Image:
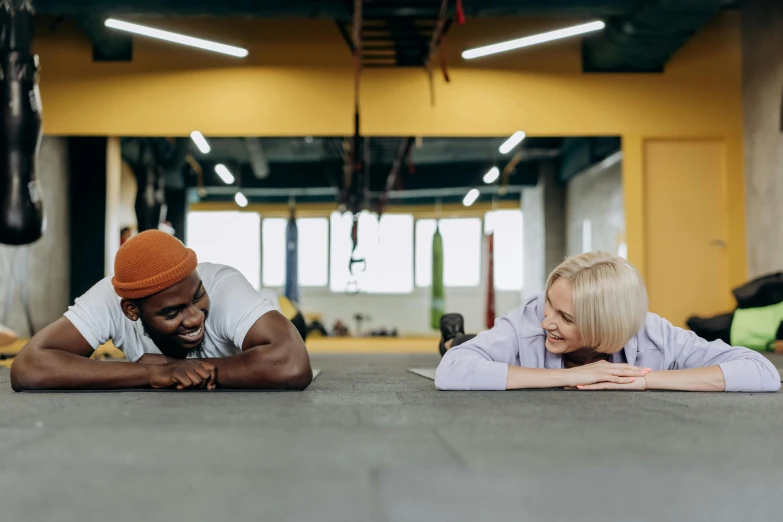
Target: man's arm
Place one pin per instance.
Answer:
(273, 357)
(57, 358)
(154, 358)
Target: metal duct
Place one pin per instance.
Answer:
(646, 37)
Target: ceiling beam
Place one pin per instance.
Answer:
(330, 191)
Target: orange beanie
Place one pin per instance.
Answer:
(149, 263)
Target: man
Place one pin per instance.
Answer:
(181, 325)
(125, 235)
(289, 310)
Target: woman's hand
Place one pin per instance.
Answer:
(639, 384)
(600, 375)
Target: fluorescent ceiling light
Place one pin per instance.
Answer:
(532, 40)
(471, 197)
(512, 142)
(492, 175)
(240, 199)
(224, 174)
(200, 141)
(176, 38)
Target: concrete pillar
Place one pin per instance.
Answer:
(595, 211)
(41, 271)
(762, 77)
(554, 217)
(533, 275)
(543, 208)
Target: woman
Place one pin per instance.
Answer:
(590, 330)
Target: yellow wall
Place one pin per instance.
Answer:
(298, 81)
(696, 211)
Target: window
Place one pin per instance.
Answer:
(340, 252)
(461, 251)
(507, 226)
(313, 252)
(273, 253)
(385, 245)
(228, 238)
(587, 235)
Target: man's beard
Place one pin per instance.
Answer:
(170, 349)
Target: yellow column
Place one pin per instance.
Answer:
(735, 211)
(633, 195)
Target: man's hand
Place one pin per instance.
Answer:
(184, 374)
(623, 376)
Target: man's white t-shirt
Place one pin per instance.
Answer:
(234, 308)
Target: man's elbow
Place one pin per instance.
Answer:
(295, 375)
(292, 366)
(24, 372)
(300, 377)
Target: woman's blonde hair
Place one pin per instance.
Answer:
(610, 300)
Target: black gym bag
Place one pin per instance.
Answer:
(763, 291)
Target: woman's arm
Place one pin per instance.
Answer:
(601, 372)
(481, 363)
(742, 370)
(490, 361)
(709, 379)
(694, 364)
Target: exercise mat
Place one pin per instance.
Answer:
(316, 373)
(427, 373)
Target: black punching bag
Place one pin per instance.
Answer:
(21, 208)
(150, 197)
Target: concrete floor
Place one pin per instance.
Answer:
(370, 442)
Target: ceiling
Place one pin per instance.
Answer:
(640, 37)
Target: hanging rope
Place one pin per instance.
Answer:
(356, 30)
(507, 170)
(435, 43)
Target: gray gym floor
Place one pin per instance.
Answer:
(371, 442)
